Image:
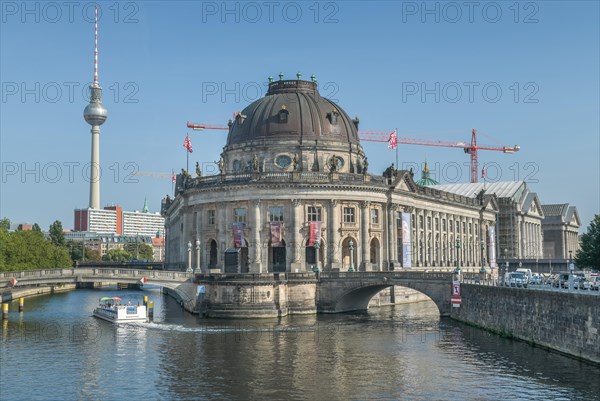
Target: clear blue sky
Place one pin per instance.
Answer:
(160, 62)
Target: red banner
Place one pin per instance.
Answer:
(238, 235)
(314, 233)
(455, 298)
(276, 230)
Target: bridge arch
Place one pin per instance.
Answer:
(345, 295)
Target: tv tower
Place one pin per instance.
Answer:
(95, 114)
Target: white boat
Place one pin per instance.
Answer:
(112, 310)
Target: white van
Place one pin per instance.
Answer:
(528, 274)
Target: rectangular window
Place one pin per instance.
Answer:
(421, 222)
(276, 213)
(428, 222)
(398, 219)
(443, 224)
(437, 224)
(314, 213)
(239, 215)
(349, 215)
(450, 225)
(211, 217)
(374, 216)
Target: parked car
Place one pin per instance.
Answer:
(537, 278)
(595, 283)
(561, 280)
(515, 279)
(580, 283)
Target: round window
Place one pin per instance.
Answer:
(283, 161)
(340, 162)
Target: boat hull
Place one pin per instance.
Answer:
(121, 314)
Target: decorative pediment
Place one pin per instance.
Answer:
(403, 182)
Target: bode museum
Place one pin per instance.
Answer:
(294, 193)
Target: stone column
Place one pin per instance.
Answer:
(185, 236)
(222, 235)
(200, 238)
(297, 223)
(391, 220)
(335, 261)
(255, 251)
(364, 233)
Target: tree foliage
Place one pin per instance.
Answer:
(76, 252)
(5, 224)
(588, 254)
(140, 251)
(57, 235)
(117, 255)
(29, 250)
(36, 227)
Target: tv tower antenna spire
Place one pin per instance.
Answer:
(95, 114)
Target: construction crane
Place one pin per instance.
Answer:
(200, 127)
(471, 148)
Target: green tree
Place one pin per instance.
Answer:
(117, 255)
(57, 235)
(36, 227)
(140, 251)
(5, 224)
(588, 255)
(29, 250)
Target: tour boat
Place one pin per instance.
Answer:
(111, 309)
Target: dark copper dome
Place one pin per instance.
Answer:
(293, 110)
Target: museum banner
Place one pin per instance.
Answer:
(238, 235)
(276, 231)
(455, 298)
(406, 241)
(314, 233)
(492, 246)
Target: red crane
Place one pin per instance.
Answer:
(470, 148)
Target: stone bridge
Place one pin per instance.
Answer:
(49, 277)
(350, 291)
(280, 294)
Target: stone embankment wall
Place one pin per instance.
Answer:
(561, 321)
(16, 293)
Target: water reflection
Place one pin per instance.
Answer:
(388, 353)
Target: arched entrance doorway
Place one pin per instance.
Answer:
(310, 256)
(277, 258)
(212, 252)
(374, 253)
(346, 253)
(244, 264)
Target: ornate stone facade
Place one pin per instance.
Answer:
(293, 158)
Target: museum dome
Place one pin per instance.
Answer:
(292, 110)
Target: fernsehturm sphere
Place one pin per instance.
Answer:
(95, 114)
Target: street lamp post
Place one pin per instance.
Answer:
(571, 269)
(351, 247)
(316, 268)
(198, 271)
(457, 270)
(189, 248)
(482, 270)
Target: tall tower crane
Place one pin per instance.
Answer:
(471, 148)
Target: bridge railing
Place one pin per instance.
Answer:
(283, 276)
(401, 275)
(159, 275)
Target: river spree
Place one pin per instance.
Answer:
(56, 350)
